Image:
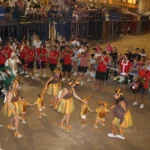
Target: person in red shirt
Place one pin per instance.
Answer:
(43, 57)
(101, 70)
(125, 67)
(30, 62)
(8, 49)
(23, 54)
(53, 58)
(144, 76)
(67, 62)
(2, 59)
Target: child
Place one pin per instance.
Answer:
(40, 105)
(24, 105)
(101, 113)
(91, 75)
(84, 109)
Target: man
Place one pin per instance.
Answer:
(8, 50)
(125, 68)
(144, 76)
(137, 54)
(67, 64)
(76, 42)
(53, 58)
(101, 70)
(37, 44)
(12, 63)
(30, 62)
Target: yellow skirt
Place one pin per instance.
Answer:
(40, 105)
(127, 120)
(6, 111)
(66, 106)
(116, 121)
(53, 89)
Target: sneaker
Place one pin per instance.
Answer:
(68, 80)
(1, 125)
(120, 137)
(22, 72)
(23, 121)
(111, 135)
(27, 76)
(43, 114)
(141, 106)
(63, 79)
(75, 74)
(88, 80)
(11, 127)
(37, 75)
(18, 135)
(135, 103)
(32, 78)
(44, 75)
(95, 126)
(40, 116)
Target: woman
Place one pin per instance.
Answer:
(54, 85)
(119, 100)
(12, 107)
(65, 103)
(84, 62)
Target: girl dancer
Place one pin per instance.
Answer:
(12, 108)
(65, 104)
(54, 85)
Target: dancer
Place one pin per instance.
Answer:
(122, 118)
(12, 108)
(65, 104)
(40, 104)
(54, 85)
(101, 113)
(119, 100)
(24, 104)
(84, 109)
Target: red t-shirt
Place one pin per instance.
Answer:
(8, 51)
(67, 57)
(125, 66)
(101, 66)
(43, 53)
(38, 51)
(53, 54)
(23, 52)
(145, 74)
(2, 58)
(30, 56)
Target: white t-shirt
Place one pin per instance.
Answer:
(12, 61)
(75, 43)
(37, 44)
(81, 50)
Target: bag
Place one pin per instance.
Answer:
(61, 60)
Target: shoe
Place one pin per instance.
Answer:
(111, 135)
(40, 116)
(68, 80)
(23, 121)
(61, 126)
(88, 80)
(63, 79)
(135, 103)
(95, 126)
(27, 76)
(75, 74)
(18, 135)
(141, 106)
(37, 75)
(11, 127)
(1, 125)
(44, 75)
(43, 114)
(68, 128)
(22, 72)
(33, 78)
(120, 137)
